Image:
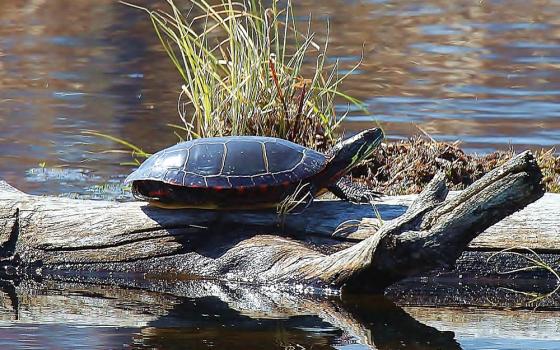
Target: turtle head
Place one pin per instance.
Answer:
(348, 153)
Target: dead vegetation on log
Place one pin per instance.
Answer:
(407, 166)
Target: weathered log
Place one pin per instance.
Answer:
(45, 235)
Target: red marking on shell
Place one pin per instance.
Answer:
(263, 188)
(158, 193)
(241, 189)
(286, 183)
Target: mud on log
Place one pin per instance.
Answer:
(49, 235)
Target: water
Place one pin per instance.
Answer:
(484, 72)
(205, 315)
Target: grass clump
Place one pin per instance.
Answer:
(242, 67)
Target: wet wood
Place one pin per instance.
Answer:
(40, 235)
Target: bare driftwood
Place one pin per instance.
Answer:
(46, 235)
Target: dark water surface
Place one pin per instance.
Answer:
(484, 72)
(209, 315)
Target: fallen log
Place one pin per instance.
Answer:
(48, 235)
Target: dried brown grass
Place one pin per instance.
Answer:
(406, 167)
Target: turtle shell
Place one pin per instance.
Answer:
(228, 165)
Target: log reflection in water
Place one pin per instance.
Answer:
(205, 313)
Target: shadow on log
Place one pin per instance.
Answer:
(46, 235)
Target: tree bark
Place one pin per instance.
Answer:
(48, 235)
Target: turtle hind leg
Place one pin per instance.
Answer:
(348, 190)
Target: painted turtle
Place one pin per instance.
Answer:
(249, 172)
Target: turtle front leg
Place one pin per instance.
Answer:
(348, 190)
